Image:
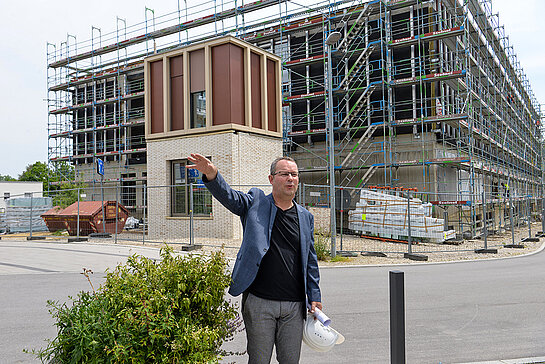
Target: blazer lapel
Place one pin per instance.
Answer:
(303, 234)
(272, 216)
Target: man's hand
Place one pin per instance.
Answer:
(315, 304)
(203, 165)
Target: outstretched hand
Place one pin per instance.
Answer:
(203, 165)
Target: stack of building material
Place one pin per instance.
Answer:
(383, 215)
(3, 227)
(23, 214)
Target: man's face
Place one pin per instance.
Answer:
(285, 179)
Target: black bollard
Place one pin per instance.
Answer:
(397, 317)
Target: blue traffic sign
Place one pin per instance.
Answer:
(100, 167)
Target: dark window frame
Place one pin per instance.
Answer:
(198, 110)
(181, 180)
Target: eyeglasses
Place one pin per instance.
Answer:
(285, 174)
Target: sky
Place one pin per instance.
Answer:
(27, 26)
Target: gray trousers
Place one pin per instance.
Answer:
(272, 323)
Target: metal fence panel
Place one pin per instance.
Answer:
(369, 220)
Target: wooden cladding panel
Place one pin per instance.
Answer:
(221, 104)
(196, 70)
(156, 101)
(177, 93)
(176, 66)
(227, 84)
(271, 95)
(236, 76)
(255, 70)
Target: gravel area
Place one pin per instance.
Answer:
(394, 251)
(451, 251)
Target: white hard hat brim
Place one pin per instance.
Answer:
(340, 337)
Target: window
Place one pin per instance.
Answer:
(197, 117)
(198, 109)
(182, 180)
(128, 190)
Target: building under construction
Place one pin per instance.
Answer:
(426, 95)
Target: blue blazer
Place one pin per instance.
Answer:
(257, 212)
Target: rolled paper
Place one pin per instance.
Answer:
(320, 316)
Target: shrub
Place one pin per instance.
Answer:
(171, 311)
(322, 245)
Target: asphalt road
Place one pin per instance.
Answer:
(462, 312)
(32, 273)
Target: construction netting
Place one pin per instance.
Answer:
(23, 214)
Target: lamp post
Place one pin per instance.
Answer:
(331, 39)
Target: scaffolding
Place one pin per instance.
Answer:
(426, 94)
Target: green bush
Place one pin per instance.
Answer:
(171, 311)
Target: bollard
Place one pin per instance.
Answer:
(397, 317)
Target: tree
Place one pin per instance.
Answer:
(36, 172)
(7, 177)
(59, 182)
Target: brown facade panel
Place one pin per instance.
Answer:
(177, 102)
(196, 70)
(156, 99)
(236, 86)
(255, 71)
(177, 93)
(271, 95)
(221, 104)
(176, 66)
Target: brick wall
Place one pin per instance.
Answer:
(322, 221)
(241, 158)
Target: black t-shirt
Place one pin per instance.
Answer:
(280, 274)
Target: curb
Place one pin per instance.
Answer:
(535, 360)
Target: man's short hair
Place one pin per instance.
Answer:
(273, 164)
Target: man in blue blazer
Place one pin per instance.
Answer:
(276, 268)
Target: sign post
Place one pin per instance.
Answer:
(100, 170)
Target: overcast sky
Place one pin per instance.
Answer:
(27, 26)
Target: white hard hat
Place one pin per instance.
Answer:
(320, 337)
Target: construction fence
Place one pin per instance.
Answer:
(405, 220)
(368, 220)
